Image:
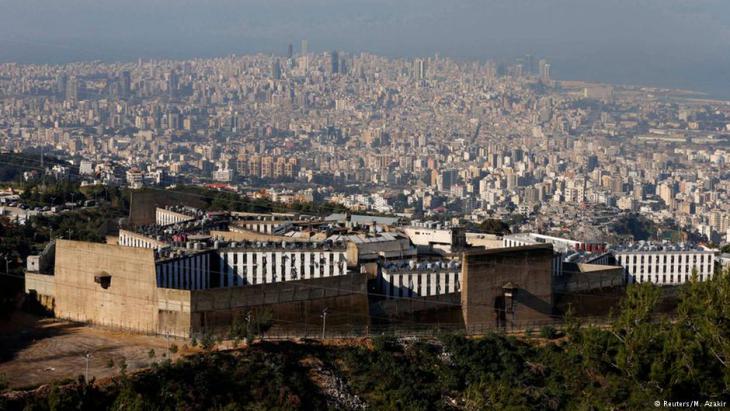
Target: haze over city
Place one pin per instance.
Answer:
(669, 43)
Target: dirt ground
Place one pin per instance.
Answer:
(39, 351)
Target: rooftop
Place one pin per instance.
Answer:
(411, 266)
(647, 247)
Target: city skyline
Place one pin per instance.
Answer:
(676, 44)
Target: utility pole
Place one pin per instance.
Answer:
(248, 324)
(324, 321)
(87, 357)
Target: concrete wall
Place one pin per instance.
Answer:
(590, 303)
(129, 301)
(143, 203)
(442, 309)
(42, 284)
(582, 277)
(295, 305)
(486, 272)
(41, 287)
(173, 311)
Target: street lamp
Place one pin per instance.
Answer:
(87, 357)
(324, 321)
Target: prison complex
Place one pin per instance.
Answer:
(193, 271)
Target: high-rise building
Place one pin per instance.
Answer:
(72, 89)
(267, 167)
(544, 71)
(334, 62)
(171, 83)
(125, 84)
(446, 179)
(305, 47)
(531, 64)
(61, 82)
(290, 51)
(591, 162)
(276, 70)
(419, 69)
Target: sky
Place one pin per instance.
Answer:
(670, 43)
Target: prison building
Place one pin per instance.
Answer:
(263, 226)
(185, 272)
(165, 216)
(274, 262)
(419, 279)
(188, 292)
(132, 239)
(665, 264)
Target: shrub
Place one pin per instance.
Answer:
(548, 332)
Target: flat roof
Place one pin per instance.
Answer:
(507, 250)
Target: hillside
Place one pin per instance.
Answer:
(640, 358)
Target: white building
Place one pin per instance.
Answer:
(86, 167)
(165, 216)
(562, 245)
(132, 239)
(276, 262)
(665, 264)
(250, 263)
(398, 279)
(224, 175)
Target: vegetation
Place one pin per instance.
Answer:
(640, 358)
(17, 241)
(248, 325)
(494, 226)
(636, 226)
(13, 165)
(229, 201)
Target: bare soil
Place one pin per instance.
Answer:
(40, 351)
